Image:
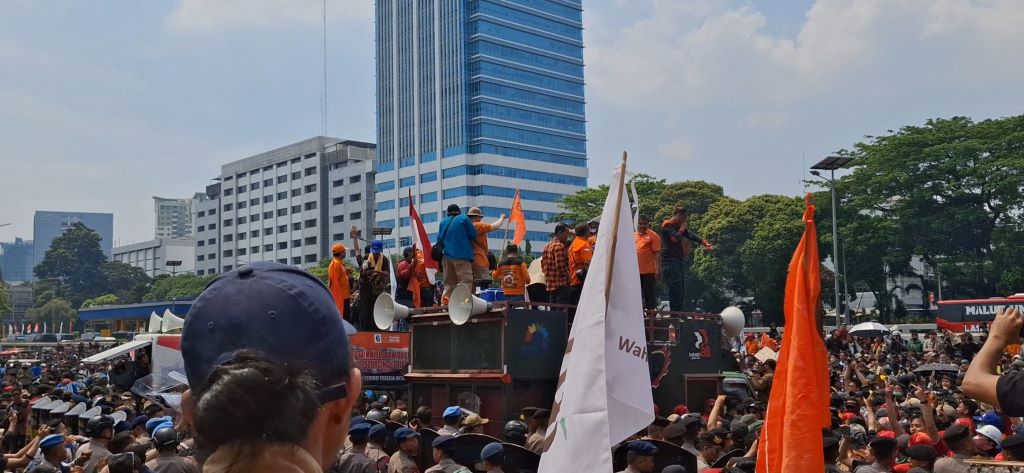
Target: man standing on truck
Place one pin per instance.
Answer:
(676, 237)
(337, 279)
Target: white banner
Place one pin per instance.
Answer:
(605, 391)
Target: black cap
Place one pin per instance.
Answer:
(1013, 442)
(443, 442)
(660, 421)
(642, 448)
(955, 433)
(454, 209)
(280, 310)
(674, 431)
(924, 453)
(542, 414)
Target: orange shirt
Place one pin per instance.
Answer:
(513, 277)
(648, 249)
(751, 346)
(580, 254)
(480, 245)
(337, 282)
(1013, 350)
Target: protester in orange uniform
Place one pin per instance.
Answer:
(648, 251)
(481, 265)
(769, 342)
(413, 284)
(580, 254)
(751, 344)
(337, 279)
(512, 275)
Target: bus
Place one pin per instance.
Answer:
(967, 315)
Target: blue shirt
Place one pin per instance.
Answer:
(458, 232)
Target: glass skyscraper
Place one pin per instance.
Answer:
(475, 99)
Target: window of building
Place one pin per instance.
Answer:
(254, 233)
(282, 212)
(201, 228)
(242, 204)
(338, 200)
(282, 195)
(268, 231)
(296, 260)
(229, 253)
(385, 205)
(229, 237)
(296, 243)
(255, 249)
(228, 268)
(242, 189)
(338, 219)
(297, 175)
(310, 205)
(200, 243)
(310, 188)
(407, 181)
(229, 222)
(268, 199)
(310, 171)
(355, 215)
(355, 179)
(282, 260)
(338, 183)
(311, 258)
(241, 252)
(212, 212)
(282, 179)
(310, 223)
(268, 182)
(428, 197)
(255, 201)
(355, 197)
(228, 192)
(282, 228)
(213, 226)
(242, 220)
(296, 160)
(309, 241)
(297, 226)
(242, 236)
(268, 214)
(201, 258)
(201, 213)
(254, 218)
(428, 177)
(296, 209)
(338, 236)
(268, 247)
(296, 192)
(227, 207)
(255, 185)
(282, 245)
(385, 186)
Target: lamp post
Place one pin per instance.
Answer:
(832, 163)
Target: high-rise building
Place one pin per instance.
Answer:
(286, 205)
(173, 217)
(475, 99)
(49, 225)
(161, 256)
(16, 260)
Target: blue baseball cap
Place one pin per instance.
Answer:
(359, 431)
(990, 418)
(641, 447)
(282, 311)
(404, 433)
(453, 411)
(443, 441)
(357, 420)
(152, 424)
(376, 246)
(52, 440)
(491, 451)
(378, 431)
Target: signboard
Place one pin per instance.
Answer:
(383, 357)
(968, 315)
(535, 343)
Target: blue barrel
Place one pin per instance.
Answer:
(492, 295)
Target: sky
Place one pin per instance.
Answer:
(107, 103)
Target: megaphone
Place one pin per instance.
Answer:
(463, 304)
(732, 321)
(171, 322)
(386, 311)
(154, 323)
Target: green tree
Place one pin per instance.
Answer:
(5, 305)
(320, 270)
(76, 261)
(588, 203)
(182, 286)
(54, 312)
(696, 196)
(127, 282)
(106, 299)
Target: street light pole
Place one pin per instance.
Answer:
(832, 163)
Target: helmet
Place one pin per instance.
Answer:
(98, 424)
(376, 415)
(515, 432)
(165, 437)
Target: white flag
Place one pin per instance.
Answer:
(605, 392)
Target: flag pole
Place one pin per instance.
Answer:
(504, 244)
(614, 232)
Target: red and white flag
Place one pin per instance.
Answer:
(422, 242)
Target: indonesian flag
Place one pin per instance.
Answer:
(37, 328)
(517, 217)
(798, 405)
(604, 390)
(420, 244)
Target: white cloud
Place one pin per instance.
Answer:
(210, 15)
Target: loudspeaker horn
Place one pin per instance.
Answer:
(386, 311)
(463, 304)
(732, 321)
(171, 322)
(154, 323)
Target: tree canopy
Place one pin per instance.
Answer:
(54, 311)
(76, 262)
(182, 286)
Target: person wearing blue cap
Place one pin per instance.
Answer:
(404, 460)
(355, 460)
(152, 424)
(138, 429)
(271, 382)
(640, 457)
(444, 451)
(375, 446)
(452, 419)
(54, 453)
(374, 280)
(492, 457)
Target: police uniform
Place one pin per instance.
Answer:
(446, 465)
(494, 454)
(640, 448)
(355, 459)
(884, 443)
(401, 462)
(375, 448)
(452, 418)
(535, 442)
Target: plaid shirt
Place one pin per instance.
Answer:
(555, 265)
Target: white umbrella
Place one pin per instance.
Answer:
(869, 329)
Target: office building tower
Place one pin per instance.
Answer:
(48, 225)
(169, 256)
(475, 99)
(16, 260)
(173, 217)
(286, 205)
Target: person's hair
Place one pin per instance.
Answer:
(769, 363)
(678, 210)
(448, 452)
(54, 423)
(643, 218)
(632, 457)
(254, 399)
(42, 469)
(407, 252)
(582, 229)
(424, 415)
(120, 442)
(561, 228)
(971, 405)
(359, 442)
(139, 450)
(498, 460)
(124, 463)
(512, 249)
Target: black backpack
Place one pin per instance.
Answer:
(437, 251)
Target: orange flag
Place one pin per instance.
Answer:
(798, 405)
(516, 216)
(769, 342)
